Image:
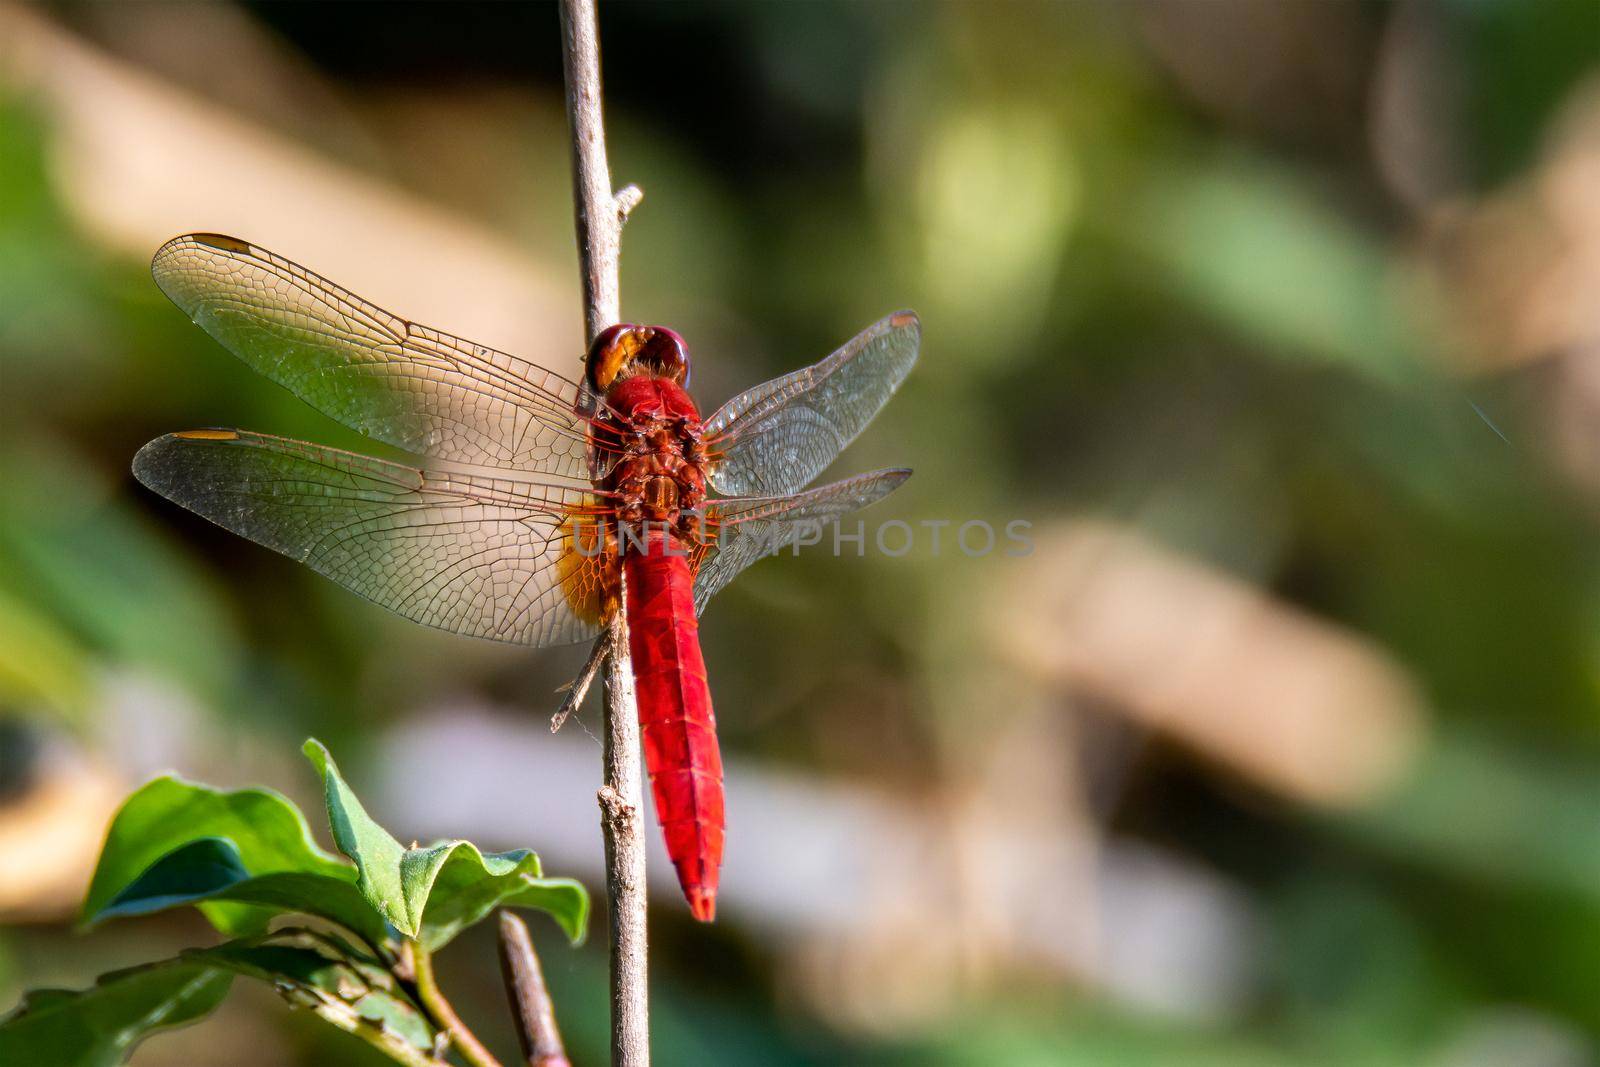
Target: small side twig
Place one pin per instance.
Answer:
(599, 215)
(580, 685)
(444, 1016)
(628, 198)
(530, 1000)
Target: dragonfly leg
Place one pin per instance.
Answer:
(578, 688)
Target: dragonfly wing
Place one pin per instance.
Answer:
(407, 385)
(484, 557)
(777, 437)
(752, 527)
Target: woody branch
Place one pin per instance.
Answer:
(600, 213)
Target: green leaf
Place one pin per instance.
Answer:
(99, 1027)
(267, 832)
(432, 893)
(244, 856)
(563, 899)
(211, 869)
(471, 884)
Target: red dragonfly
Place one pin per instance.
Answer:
(545, 505)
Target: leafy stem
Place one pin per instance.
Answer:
(247, 858)
(420, 963)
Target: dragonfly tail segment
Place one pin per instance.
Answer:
(678, 725)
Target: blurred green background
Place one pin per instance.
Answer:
(1277, 322)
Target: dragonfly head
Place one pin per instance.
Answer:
(624, 350)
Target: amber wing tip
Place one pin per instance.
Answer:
(220, 241)
(207, 435)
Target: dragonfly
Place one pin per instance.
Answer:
(537, 507)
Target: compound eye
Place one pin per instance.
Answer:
(653, 348)
(612, 351)
(665, 354)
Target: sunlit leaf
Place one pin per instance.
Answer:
(266, 831)
(433, 893)
(211, 869)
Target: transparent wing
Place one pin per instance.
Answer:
(749, 528)
(404, 384)
(485, 557)
(777, 437)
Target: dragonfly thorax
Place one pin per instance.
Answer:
(660, 475)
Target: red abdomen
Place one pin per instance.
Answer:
(680, 731)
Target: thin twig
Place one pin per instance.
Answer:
(440, 1010)
(530, 1000)
(580, 685)
(600, 213)
(599, 210)
(628, 198)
